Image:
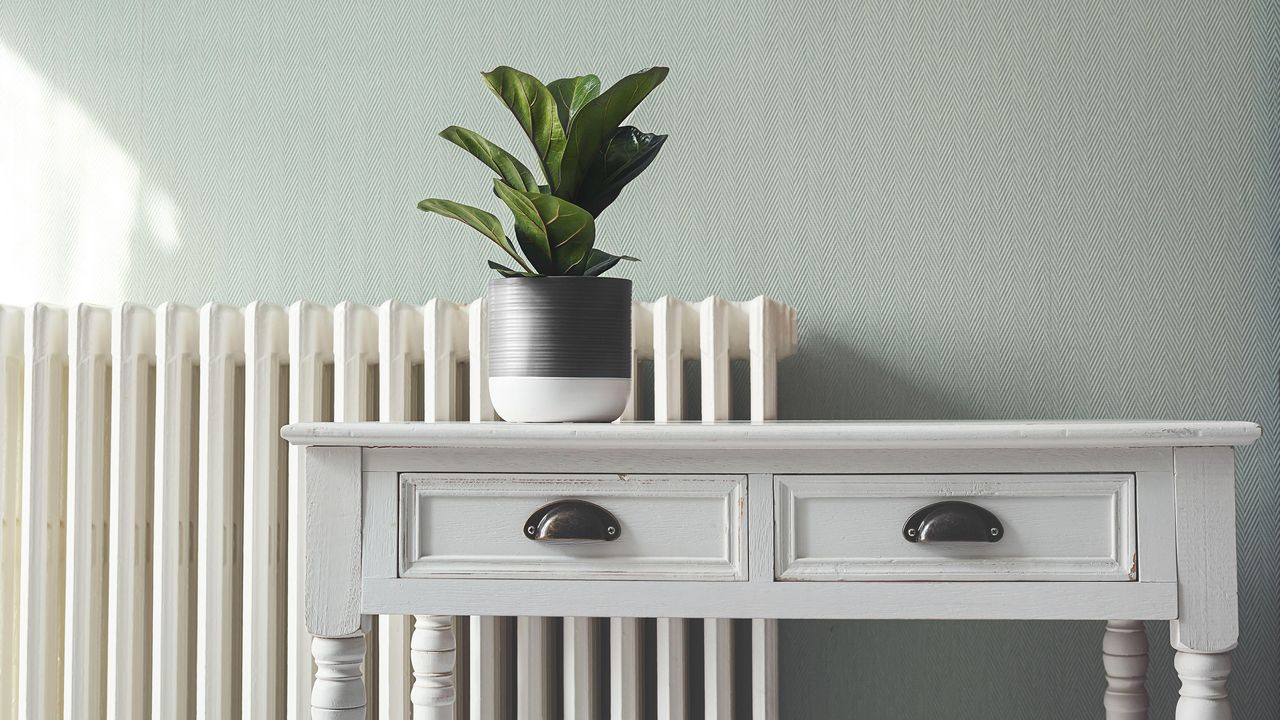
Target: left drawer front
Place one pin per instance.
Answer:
(673, 527)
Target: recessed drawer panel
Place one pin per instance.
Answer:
(660, 527)
(965, 527)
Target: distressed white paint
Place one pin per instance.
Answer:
(333, 517)
(590, 457)
(472, 525)
(1040, 496)
(832, 436)
(1203, 695)
(339, 691)
(987, 600)
(1208, 621)
(1157, 547)
(1056, 527)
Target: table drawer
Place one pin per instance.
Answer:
(668, 527)
(1049, 527)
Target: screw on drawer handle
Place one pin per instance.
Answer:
(953, 521)
(572, 521)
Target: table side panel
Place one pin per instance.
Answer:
(333, 558)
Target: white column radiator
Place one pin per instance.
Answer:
(150, 513)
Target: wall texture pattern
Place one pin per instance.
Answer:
(981, 209)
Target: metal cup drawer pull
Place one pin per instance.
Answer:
(953, 521)
(572, 521)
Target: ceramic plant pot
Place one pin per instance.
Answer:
(559, 348)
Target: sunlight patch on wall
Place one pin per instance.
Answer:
(69, 197)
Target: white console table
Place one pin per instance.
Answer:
(1117, 521)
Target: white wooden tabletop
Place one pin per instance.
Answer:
(782, 435)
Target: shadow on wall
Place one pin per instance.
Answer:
(74, 202)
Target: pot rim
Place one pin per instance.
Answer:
(557, 278)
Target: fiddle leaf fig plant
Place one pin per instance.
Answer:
(585, 154)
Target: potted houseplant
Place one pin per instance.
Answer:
(559, 334)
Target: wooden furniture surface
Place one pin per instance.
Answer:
(1120, 521)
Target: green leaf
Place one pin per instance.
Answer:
(568, 230)
(571, 94)
(597, 122)
(498, 160)
(531, 231)
(601, 262)
(625, 156)
(485, 222)
(535, 110)
(505, 271)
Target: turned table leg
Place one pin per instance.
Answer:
(338, 692)
(1124, 657)
(1204, 685)
(431, 652)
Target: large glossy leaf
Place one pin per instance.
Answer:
(625, 156)
(596, 123)
(531, 231)
(485, 222)
(500, 161)
(534, 108)
(568, 230)
(600, 262)
(571, 94)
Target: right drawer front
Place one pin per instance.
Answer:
(1056, 527)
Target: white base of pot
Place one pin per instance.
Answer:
(559, 399)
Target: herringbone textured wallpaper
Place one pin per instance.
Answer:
(981, 208)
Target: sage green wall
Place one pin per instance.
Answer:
(981, 209)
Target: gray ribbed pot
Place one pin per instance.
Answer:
(559, 348)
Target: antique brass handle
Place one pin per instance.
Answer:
(953, 521)
(572, 521)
